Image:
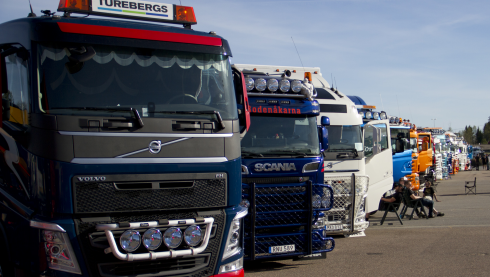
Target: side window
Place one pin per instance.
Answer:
(384, 136)
(16, 99)
(369, 140)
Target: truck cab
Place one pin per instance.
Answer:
(120, 145)
(424, 141)
(282, 168)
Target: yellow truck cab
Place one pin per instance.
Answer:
(424, 142)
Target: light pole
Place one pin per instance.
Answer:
(434, 121)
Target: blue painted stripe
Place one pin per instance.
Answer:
(107, 9)
(164, 15)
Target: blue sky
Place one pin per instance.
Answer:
(415, 59)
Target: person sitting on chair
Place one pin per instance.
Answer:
(395, 197)
(430, 194)
(425, 202)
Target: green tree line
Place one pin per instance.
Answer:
(474, 135)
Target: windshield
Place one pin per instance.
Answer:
(345, 137)
(438, 147)
(151, 81)
(281, 135)
(413, 145)
(403, 134)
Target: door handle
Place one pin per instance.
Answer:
(186, 126)
(117, 124)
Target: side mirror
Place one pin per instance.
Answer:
(400, 146)
(325, 121)
(324, 137)
(243, 104)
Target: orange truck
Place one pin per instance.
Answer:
(424, 142)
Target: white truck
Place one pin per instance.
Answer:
(358, 161)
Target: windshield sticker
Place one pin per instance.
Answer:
(275, 109)
(358, 146)
(303, 122)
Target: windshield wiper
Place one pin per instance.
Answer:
(218, 115)
(124, 109)
(251, 154)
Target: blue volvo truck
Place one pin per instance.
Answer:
(120, 145)
(282, 170)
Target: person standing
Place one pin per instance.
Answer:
(477, 162)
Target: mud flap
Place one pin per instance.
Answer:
(316, 256)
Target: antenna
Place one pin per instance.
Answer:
(331, 86)
(298, 55)
(31, 14)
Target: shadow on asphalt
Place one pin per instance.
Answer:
(263, 266)
(459, 194)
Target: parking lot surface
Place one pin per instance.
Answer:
(457, 244)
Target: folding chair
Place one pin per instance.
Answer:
(470, 187)
(392, 207)
(411, 203)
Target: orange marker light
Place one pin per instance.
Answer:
(308, 75)
(74, 5)
(294, 71)
(185, 14)
(316, 72)
(277, 70)
(255, 69)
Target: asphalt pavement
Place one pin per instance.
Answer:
(456, 244)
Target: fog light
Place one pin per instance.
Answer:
(369, 115)
(272, 85)
(296, 86)
(172, 237)
(249, 82)
(284, 85)
(130, 240)
(260, 84)
(152, 239)
(193, 235)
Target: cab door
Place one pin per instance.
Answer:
(379, 161)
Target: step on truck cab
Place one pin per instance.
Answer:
(120, 145)
(282, 168)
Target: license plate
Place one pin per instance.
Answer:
(333, 227)
(282, 249)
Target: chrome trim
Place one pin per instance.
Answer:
(153, 135)
(241, 213)
(46, 226)
(152, 255)
(244, 170)
(148, 148)
(308, 171)
(301, 96)
(148, 160)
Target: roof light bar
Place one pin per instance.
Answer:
(132, 9)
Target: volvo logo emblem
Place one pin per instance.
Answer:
(155, 146)
(329, 165)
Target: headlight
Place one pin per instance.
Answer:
(233, 266)
(233, 239)
(368, 115)
(376, 115)
(59, 252)
(152, 239)
(260, 84)
(193, 235)
(172, 237)
(361, 114)
(249, 82)
(272, 85)
(382, 115)
(326, 199)
(296, 86)
(130, 240)
(316, 200)
(284, 85)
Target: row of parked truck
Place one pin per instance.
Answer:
(138, 149)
